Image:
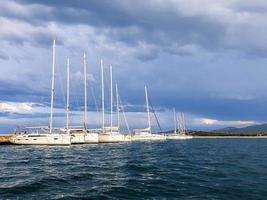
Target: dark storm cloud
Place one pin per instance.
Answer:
(17, 91)
(130, 24)
(157, 23)
(257, 6)
(93, 12)
(204, 57)
(3, 55)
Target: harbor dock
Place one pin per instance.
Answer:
(5, 138)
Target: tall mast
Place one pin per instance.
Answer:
(178, 118)
(85, 91)
(52, 85)
(68, 94)
(103, 96)
(111, 99)
(147, 109)
(181, 123)
(184, 128)
(117, 106)
(175, 120)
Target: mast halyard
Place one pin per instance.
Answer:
(68, 94)
(52, 85)
(103, 96)
(117, 106)
(85, 91)
(184, 128)
(111, 99)
(147, 109)
(175, 121)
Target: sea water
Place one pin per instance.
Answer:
(187, 169)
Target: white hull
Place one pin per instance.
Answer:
(41, 139)
(77, 138)
(111, 138)
(148, 137)
(91, 138)
(128, 138)
(179, 137)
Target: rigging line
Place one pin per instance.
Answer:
(107, 94)
(94, 97)
(75, 94)
(123, 112)
(154, 114)
(185, 128)
(179, 123)
(63, 95)
(182, 118)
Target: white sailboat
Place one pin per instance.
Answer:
(41, 136)
(44, 135)
(91, 135)
(77, 134)
(119, 106)
(109, 134)
(146, 134)
(83, 135)
(179, 134)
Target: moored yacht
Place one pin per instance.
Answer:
(41, 135)
(146, 134)
(109, 134)
(91, 136)
(81, 135)
(179, 134)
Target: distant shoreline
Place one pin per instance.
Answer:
(227, 136)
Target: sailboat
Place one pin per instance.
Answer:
(44, 135)
(83, 135)
(180, 133)
(77, 134)
(91, 135)
(146, 133)
(112, 133)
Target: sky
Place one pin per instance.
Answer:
(204, 58)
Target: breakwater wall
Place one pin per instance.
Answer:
(5, 138)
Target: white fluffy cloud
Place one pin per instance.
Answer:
(215, 122)
(15, 107)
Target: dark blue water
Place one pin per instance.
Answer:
(192, 169)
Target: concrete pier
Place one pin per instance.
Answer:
(5, 138)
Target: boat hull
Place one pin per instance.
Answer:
(179, 137)
(111, 138)
(91, 138)
(148, 137)
(52, 139)
(77, 138)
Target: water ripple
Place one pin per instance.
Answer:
(195, 169)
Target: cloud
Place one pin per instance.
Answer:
(3, 55)
(222, 123)
(160, 23)
(202, 57)
(19, 32)
(209, 121)
(146, 52)
(80, 76)
(15, 107)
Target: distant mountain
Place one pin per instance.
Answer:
(261, 128)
